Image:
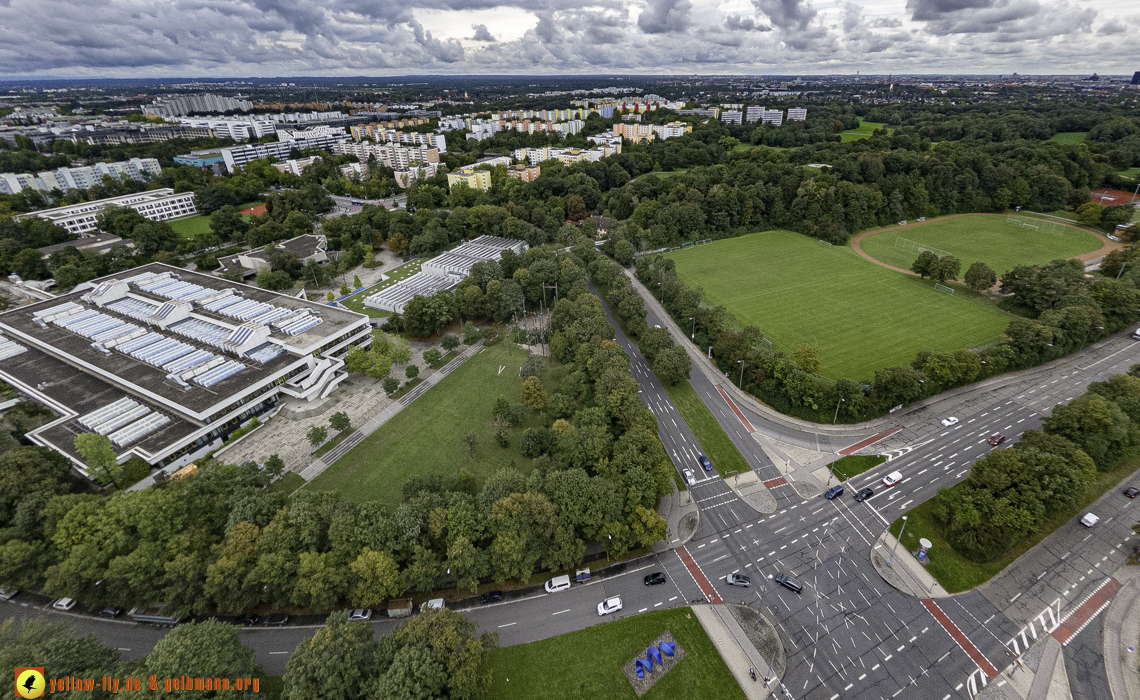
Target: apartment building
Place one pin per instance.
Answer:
(526, 173)
(437, 141)
(237, 157)
(390, 155)
(710, 112)
(732, 116)
(534, 156)
(753, 113)
(176, 105)
(235, 128)
(606, 138)
(80, 178)
(772, 116)
(640, 133)
(405, 178)
(156, 205)
(475, 179)
(360, 131)
(797, 114)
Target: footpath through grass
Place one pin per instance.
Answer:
(714, 441)
(955, 572)
(427, 436)
(861, 316)
(985, 238)
(588, 663)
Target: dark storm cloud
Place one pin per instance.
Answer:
(661, 16)
(787, 14)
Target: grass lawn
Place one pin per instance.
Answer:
(957, 573)
(427, 436)
(714, 441)
(337, 439)
(288, 483)
(191, 226)
(861, 316)
(864, 131)
(854, 465)
(356, 301)
(588, 663)
(1069, 138)
(990, 239)
(1133, 173)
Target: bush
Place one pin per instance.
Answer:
(536, 441)
(412, 371)
(449, 342)
(390, 384)
(136, 469)
(471, 334)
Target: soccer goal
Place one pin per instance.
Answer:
(824, 243)
(916, 247)
(943, 288)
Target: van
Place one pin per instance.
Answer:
(1136, 334)
(433, 604)
(558, 583)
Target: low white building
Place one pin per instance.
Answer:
(80, 178)
(156, 205)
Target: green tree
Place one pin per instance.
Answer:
(980, 277)
(432, 356)
(532, 394)
(467, 562)
(924, 264)
(356, 284)
(412, 371)
(807, 357)
(320, 580)
(340, 421)
(897, 385)
(274, 466)
(317, 435)
(227, 223)
(336, 663)
(210, 649)
(99, 456)
(451, 638)
(673, 366)
(376, 578)
(647, 526)
(57, 647)
(390, 384)
(449, 342)
(947, 268)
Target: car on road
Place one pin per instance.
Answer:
(64, 604)
(1132, 492)
(863, 495)
(558, 583)
(655, 579)
(8, 593)
(434, 604)
(690, 477)
(247, 619)
(947, 422)
(111, 611)
(609, 605)
(276, 620)
(656, 326)
(997, 439)
(892, 479)
(491, 597)
(738, 580)
(359, 615)
(1089, 520)
(834, 492)
(792, 584)
(705, 463)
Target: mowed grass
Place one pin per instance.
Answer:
(718, 447)
(861, 316)
(191, 226)
(1069, 138)
(427, 436)
(588, 663)
(356, 301)
(985, 238)
(864, 131)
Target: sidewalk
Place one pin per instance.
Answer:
(1122, 636)
(752, 491)
(904, 573)
(681, 515)
(319, 465)
(795, 463)
(738, 652)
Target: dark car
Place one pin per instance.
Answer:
(655, 579)
(834, 492)
(247, 619)
(788, 582)
(111, 611)
(705, 463)
(491, 597)
(738, 580)
(276, 620)
(1132, 492)
(863, 495)
(997, 439)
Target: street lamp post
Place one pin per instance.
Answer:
(740, 382)
(693, 333)
(836, 416)
(897, 542)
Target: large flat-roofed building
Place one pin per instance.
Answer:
(167, 363)
(156, 205)
(443, 272)
(80, 178)
(236, 157)
(475, 179)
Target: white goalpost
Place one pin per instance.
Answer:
(917, 248)
(824, 243)
(943, 288)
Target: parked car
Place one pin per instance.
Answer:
(792, 584)
(863, 495)
(491, 597)
(359, 615)
(947, 422)
(609, 605)
(738, 580)
(655, 579)
(276, 620)
(834, 492)
(8, 593)
(1089, 520)
(997, 439)
(690, 477)
(434, 604)
(558, 583)
(1132, 492)
(111, 611)
(64, 604)
(892, 479)
(247, 619)
(705, 463)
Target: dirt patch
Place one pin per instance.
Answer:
(1109, 197)
(254, 211)
(763, 636)
(642, 685)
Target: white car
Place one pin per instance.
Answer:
(690, 478)
(892, 479)
(947, 422)
(64, 604)
(8, 593)
(1089, 520)
(359, 615)
(609, 605)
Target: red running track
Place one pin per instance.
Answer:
(698, 575)
(962, 640)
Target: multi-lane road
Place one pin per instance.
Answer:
(848, 634)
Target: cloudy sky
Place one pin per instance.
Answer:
(145, 38)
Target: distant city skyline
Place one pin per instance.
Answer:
(235, 38)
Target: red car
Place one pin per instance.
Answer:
(997, 439)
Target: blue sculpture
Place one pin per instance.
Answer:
(667, 647)
(653, 654)
(642, 666)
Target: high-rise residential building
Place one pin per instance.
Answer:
(238, 156)
(475, 179)
(178, 105)
(80, 178)
(772, 116)
(156, 205)
(234, 128)
(389, 155)
(526, 173)
(732, 116)
(797, 114)
(754, 113)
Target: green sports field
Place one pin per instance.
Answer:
(861, 316)
(990, 239)
(864, 131)
(1069, 138)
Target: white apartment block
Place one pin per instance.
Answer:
(569, 156)
(233, 128)
(174, 105)
(239, 156)
(732, 116)
(81, 178)
(437, 141)
(316, 132)
(390, 155)
(772, 116)
(797, 114)
(606, 138)
(483, 130)
(753, 113)
(156, 205)
(405, 178)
